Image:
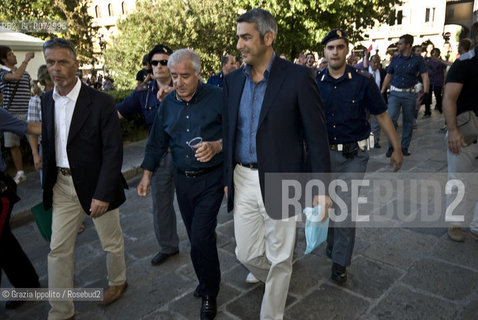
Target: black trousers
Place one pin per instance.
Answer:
(437, 91)
(13, 261)
(199, 200)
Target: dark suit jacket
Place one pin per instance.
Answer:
(383, 74)
(94, 148)
(291, 117)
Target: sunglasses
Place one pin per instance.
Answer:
(161, 62)
(58, 41)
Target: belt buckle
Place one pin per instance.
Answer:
(189, 174)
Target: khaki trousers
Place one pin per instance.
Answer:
(67, 218)
(264, 245)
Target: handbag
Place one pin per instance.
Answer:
(467, 123)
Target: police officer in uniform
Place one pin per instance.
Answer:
(347, 94)
(146, 102)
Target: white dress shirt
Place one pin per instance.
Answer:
(64, 107)
(376, 75)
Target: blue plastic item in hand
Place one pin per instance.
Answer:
(315, 231)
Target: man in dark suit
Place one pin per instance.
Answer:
(272, 108)
(82, 158)
(374, 68)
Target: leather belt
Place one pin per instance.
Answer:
(197, 173)
(65, 171)
(393, 88)
(249, 165)
(339, 147)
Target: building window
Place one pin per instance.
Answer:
(433, 16)
(123, 9)
(427, 15)
(97, 12)
(399, 17)
(110, 9)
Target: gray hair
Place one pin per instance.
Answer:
(186, 54)
(263, 19)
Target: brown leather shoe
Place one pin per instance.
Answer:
(113, 293)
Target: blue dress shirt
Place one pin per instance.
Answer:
(248, 117)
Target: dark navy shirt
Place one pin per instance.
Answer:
(143, 102)
(248, 118)
(177, 122)
(216, 80)
(406, 70)
(346, 100)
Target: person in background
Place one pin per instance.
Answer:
(147, 102)
(228, 64)
(144, 75)
(15, 89)
(13, 260)
(402, 74)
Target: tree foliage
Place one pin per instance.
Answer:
(207, 26)
(80, 31)
(303, 23)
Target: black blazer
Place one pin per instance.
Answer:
(291, 134)
(94, 148)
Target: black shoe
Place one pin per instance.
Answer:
(161, 257)
(196, 292)
(328, 251)
(13, 304)
(208, 308)
(339, 273)
(389, 152)
(405, 152)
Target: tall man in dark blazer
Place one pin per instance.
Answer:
(82, 158)
(272, 107)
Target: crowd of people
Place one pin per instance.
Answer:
(220, 139)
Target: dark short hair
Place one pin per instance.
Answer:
(435, 50)
(263, 19)
(224, 60)
(42, 74)
(4, 50)
(60, 43)
(145, 59)
(464, 43)
(159, 48)
(310, 54)
(407, 38)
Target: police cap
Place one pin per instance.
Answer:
(159, 48)
(335, 34)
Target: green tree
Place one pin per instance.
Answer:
(303, 23)
(80, 31)
(207, 26)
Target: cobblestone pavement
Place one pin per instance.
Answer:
(396, 273)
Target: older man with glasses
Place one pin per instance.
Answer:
(146, 102)
(82, 159)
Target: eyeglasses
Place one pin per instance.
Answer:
(58, 41)
(161, 62)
